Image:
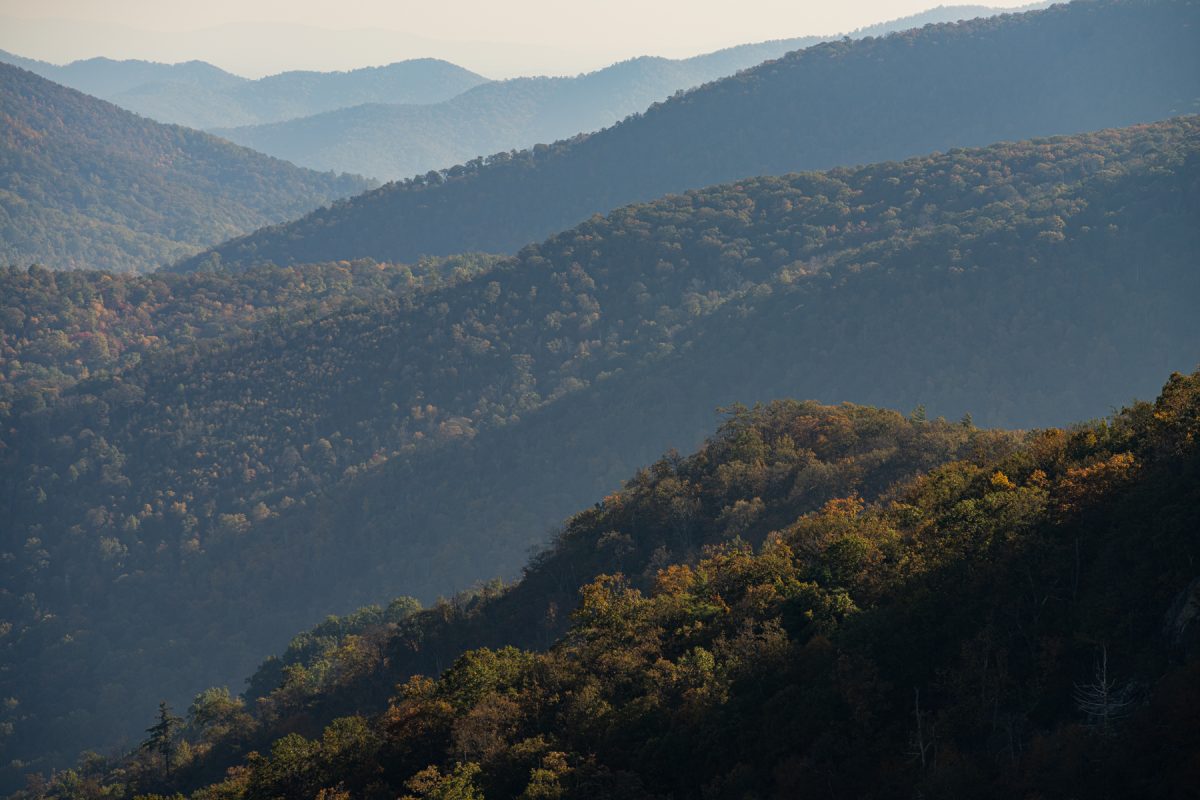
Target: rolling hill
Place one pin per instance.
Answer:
(389, 141)
(1075, 67)
(198, 95)
(174, 515)
(107, 78)
(298, 94)
(86, 184)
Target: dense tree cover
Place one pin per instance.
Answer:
(313, 655)
(1015, 622)
(816, 453)
(390, 141)
(416, 444)
(199, 95)
(57, 328)
(1074, 67)
(796, 455)
(86, 184)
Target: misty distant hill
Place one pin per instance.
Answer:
(389, 141)
(1070, 68)
(107, 78)
(86, 184)
(199, 95)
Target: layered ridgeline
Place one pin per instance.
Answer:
(174, 516)
(106, 77)
(399, 141)
(199, 95)
(396, 121)
(1076, 67)
(86, 184)
(391, 142)
(1019, 620)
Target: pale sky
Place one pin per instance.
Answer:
(499, 38)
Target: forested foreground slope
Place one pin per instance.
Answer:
(1017, 619)
(1074, 67)
(173, 516)
(86, 184)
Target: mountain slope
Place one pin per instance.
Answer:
(86, 184)
(218, 494)
(391, 141)
(1015, 622)
(1113, 62)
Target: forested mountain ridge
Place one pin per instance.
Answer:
(106, 77)
(413, 445)
(389, 141)
(199, 95)
(61, 327)
(1015, 620)
(1080, 66)
(86, 184)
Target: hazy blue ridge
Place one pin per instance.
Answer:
(1071, 68)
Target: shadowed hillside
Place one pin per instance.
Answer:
(86, 184)
(1013, 620)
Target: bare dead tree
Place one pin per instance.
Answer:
(922, 740)
(1103, 700)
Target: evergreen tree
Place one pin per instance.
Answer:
(162, 735)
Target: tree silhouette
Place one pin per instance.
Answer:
(163, 734)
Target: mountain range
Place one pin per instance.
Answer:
(106, 78)
(437, 429)
(84, 183)
(390, 141)
(199, 95)
(409, 117)
(223, 488)
(1113, 62)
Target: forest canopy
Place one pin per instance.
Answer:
(336, 449)
(1010, 622)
